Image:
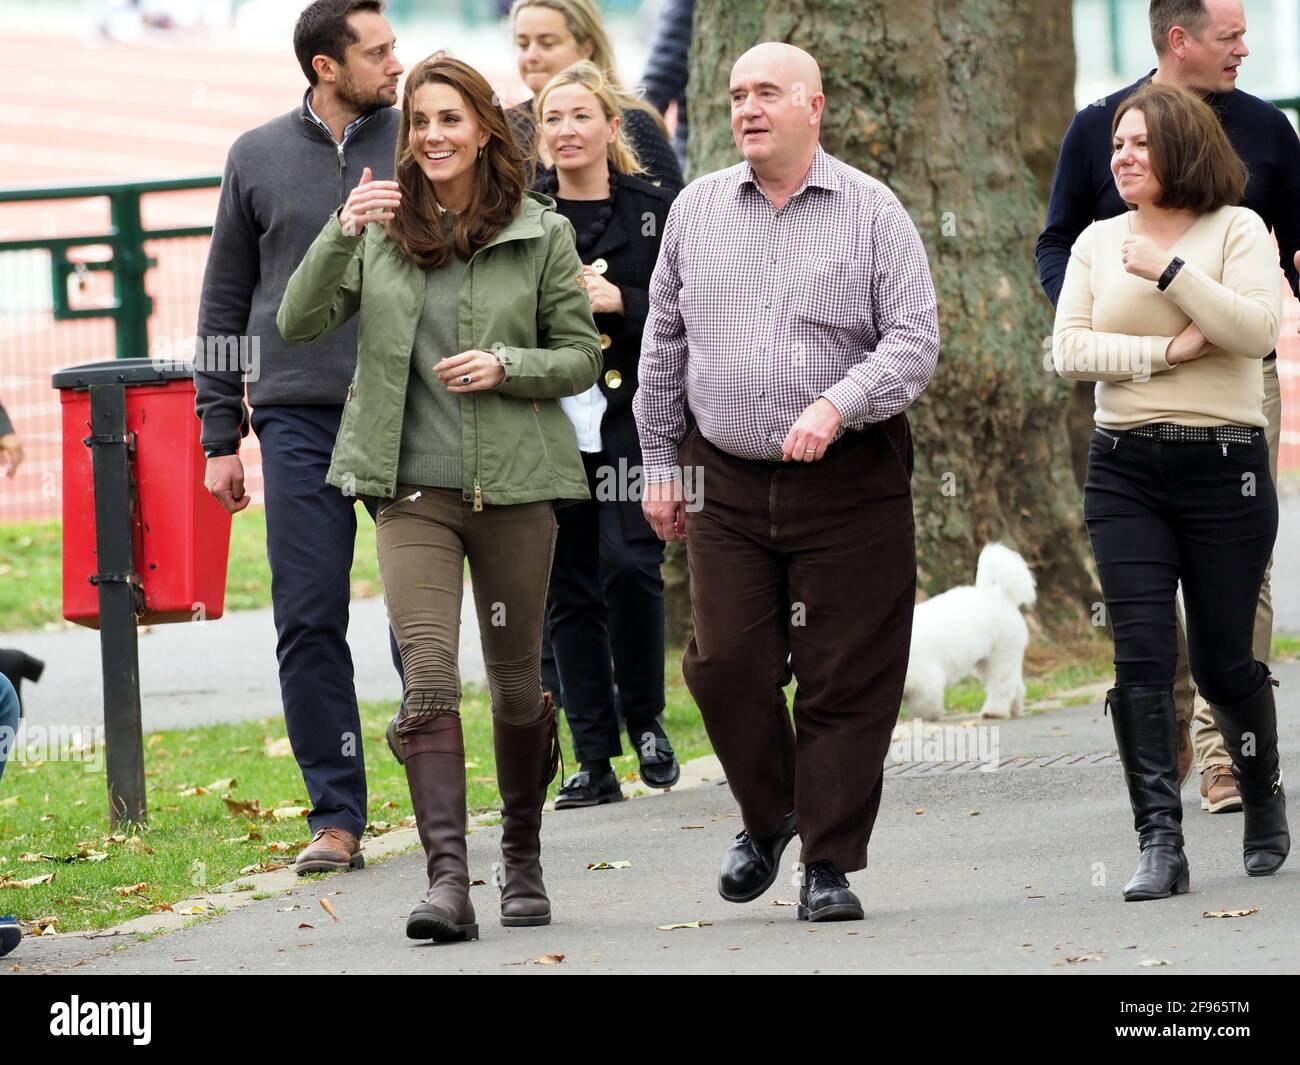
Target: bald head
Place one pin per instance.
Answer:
(776, 108)
(781, 62)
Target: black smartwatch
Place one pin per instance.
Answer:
(1171, 272)
(216, 451)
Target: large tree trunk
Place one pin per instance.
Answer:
(923, 96)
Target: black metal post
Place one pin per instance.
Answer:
(118, 583)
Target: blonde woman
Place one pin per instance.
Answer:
(551, 35)
(606, 604)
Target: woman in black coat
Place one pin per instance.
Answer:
(606, 608)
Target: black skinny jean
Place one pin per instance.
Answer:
(1203, 514)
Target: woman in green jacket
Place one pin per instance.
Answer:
(474, 321)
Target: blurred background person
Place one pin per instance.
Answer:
(664, 80)
(550, 35)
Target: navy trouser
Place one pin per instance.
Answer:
(1203, 514)
(311, 530)
(8, 720)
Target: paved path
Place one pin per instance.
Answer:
(1017, 870)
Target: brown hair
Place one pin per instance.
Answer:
(622, 156)
(1191, 156)
(498, 187)
(323, 29)
(1164, 15)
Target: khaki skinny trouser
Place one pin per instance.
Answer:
(424, 537)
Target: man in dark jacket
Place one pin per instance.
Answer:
(1199, 46)
(282, 181)
(665, 74)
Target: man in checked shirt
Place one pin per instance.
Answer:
(792, 309)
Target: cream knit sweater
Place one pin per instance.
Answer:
(1114, 328)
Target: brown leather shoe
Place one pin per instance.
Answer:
(527, 760)
(433, 750)
(1219, 792)
(1184, 751)
(330, 849)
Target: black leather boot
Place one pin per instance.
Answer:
(1146, 732)
(1249, 730)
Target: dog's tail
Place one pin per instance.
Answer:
(1002, 570)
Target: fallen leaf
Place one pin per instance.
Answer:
(919, 810)
(1084, 957)
(687, 924)
(1148, 963)
(161, 907)
(1231, 913)
(280, 748)
(284, 813)
(694, 826)
(248, 808)
(782, 902)
(973, 813)
(288, 909)
(593, 866)
(13, 800)
(222, 785)
(306, 925)
(154, 739)
(193, 911)
(389, 805)
(328, 907)
(191, 792)
(133, 889)
(36, 881)
(548, 959)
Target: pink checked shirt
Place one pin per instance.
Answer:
(755, 313)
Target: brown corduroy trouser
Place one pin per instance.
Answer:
(807, 568)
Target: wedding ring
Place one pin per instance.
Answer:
(810, 451)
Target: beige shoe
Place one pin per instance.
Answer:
(1219, 792)
(1184, 751)
(330, 849)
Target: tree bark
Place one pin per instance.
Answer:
(950, 103)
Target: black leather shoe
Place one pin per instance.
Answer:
(582, 789)
(750, 865)
(659, 768)
(825, 896)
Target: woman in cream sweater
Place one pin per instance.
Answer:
(1170, 309)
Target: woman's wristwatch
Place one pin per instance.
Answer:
(1171, 271)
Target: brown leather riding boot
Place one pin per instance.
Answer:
(433, 751)
(527, 760)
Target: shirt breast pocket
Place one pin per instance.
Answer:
(830, 293)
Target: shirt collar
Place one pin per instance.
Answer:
(821, 174)
(320, 123)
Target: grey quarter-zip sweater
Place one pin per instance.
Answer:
(281, 182)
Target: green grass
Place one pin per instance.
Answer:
(193, 843)
(31, 569)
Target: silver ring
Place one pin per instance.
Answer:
(465, 380)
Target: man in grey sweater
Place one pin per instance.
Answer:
(281, 182)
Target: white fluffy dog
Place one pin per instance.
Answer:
(973, 630)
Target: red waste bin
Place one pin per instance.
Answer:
(181, 533)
